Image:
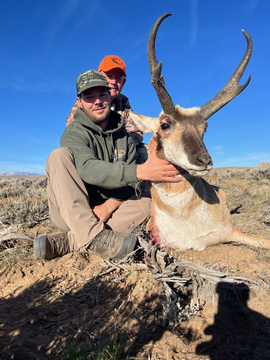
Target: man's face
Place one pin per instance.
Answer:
(116, 80)
(96, 103)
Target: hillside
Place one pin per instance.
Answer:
(79, 306)
(18, 174)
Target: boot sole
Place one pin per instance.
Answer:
(40, 247)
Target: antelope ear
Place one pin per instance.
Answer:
(146, 124)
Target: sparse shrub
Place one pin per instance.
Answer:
(19, 212)
(23, 201)
(267, 218)
(260, 173)
(3, 183)
(42, 182)
(96, 351)
(27, 183)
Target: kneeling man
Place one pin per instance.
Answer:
(92, 180)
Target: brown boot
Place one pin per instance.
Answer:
(113, 245)
(49, 247)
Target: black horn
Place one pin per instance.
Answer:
(157, 79)
(232, 88)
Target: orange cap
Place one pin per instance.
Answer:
(112, 62)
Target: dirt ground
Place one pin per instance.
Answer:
(45, 305)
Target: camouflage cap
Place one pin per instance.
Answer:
(89, 79)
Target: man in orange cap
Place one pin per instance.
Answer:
(114, 68)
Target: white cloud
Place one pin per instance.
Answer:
(218, 149)
(251, 5)
(252, 159)
(33, 81)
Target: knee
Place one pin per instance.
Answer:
(59, 156)
(61, 152)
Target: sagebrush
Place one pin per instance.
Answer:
(23, 200)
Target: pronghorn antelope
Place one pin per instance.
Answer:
(190, 214)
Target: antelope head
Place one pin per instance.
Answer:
(179, 132)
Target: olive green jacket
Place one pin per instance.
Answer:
(105, 160)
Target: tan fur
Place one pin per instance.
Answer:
(191, 214)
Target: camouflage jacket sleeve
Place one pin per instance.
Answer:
(122, 106)
(70, 117)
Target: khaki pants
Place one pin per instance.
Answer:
(69, 204)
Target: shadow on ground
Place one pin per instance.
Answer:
(238, 332)
(37, 322)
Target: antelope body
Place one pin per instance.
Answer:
(190, 214)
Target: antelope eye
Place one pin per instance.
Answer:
(164, 126)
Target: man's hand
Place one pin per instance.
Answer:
(155, 169)
(105, 210)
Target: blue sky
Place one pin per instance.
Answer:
(46, 44)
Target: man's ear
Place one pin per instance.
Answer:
(124, 81)
(79, 102)
(109, 91)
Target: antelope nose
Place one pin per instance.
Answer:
(204, 159)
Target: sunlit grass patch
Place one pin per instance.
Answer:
(112, 350)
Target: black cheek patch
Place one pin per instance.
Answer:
(190, 145)
(159, 143)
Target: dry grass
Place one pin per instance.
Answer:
(23, 201)
(248, 196)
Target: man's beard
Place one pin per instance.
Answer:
(98, 120)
